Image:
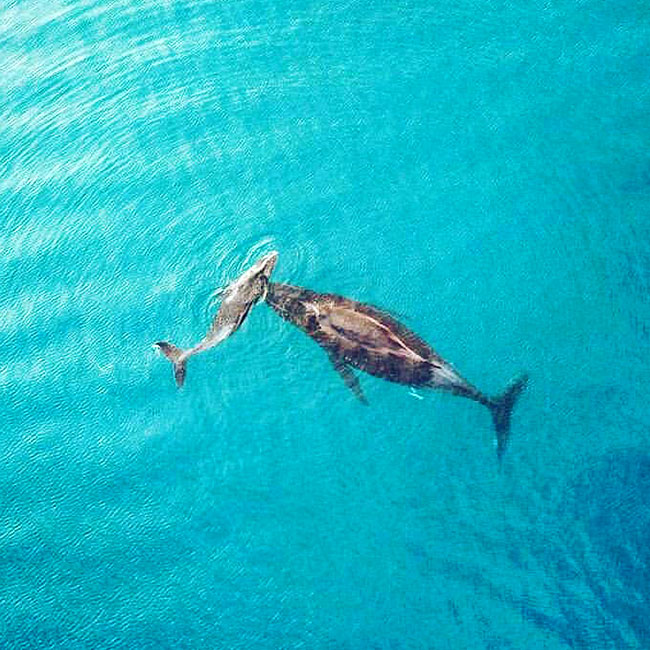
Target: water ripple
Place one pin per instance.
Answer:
(478, 169)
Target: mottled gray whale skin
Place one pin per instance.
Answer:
(357, 335)
(237, 301)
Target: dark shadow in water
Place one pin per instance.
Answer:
(601, 556)
(614, 500)
(585, 559)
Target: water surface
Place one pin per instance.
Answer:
(480, 168)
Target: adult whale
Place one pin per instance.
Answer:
(237, 301)
(357, 335)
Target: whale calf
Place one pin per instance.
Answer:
(358, 335)
(237, 301)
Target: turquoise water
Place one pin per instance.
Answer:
(481, 169)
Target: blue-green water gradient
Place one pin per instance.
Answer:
(480, 168)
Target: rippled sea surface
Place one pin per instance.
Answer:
(479, 169)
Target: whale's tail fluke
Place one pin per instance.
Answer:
(175, 355)
(501, 408)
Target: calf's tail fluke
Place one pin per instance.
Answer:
(174, 354)
(501, 408)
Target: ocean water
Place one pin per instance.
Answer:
(479, 168)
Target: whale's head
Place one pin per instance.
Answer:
(261, 271)
(252, 285)
(266, 264)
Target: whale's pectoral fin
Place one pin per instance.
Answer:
(348, 376)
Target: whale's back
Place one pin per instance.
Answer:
(359, 334)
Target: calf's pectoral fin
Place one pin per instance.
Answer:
(347, 374)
